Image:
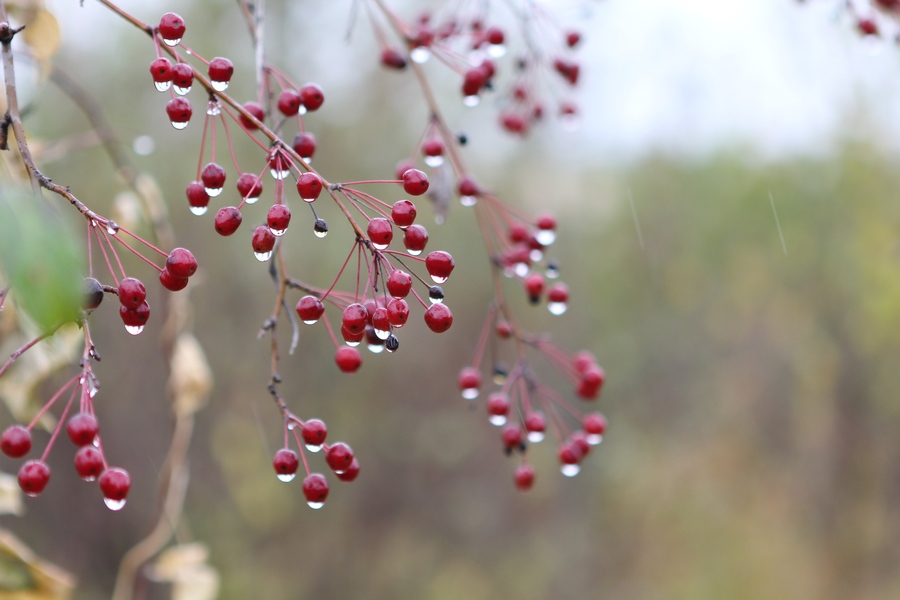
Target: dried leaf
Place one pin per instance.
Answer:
(42, 36)
(185, 567)
(191, 378)
(24, 576)
(10, 495)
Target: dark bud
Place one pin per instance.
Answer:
(436, 293)
(462, 139)
(320, 226)
(392, 343)
(93, 293)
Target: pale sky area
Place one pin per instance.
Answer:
(694, 76)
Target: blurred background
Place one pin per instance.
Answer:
(729, 224)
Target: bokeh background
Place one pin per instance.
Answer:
(729, 230)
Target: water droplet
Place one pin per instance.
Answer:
(285, 477)
(199, 210)
(352, 344)
(414, 252)
(312, 322)
(434, 161)
(134, 329)
(114, 504)
(545, 237)
(112, 228)
(496, 50)
(470, 393)
(251, 200)
(321, 234)
(31, 494)
(570, 470)
(557, 308)
(380, 246)
(472, 100)
(375, 348)
(468, 200)
(302, 110)
(438, 279)
(521, 269)
(219, 86)
(291, 426)
(179, 124)
(594, 438)
(213, 109)
(316, 505)
(162, 86)
(89, 478)
(280, 174)
(93, 386)
(173, 43)
(277, 232)
(498, 420)
(535, 255)
(182, 91)
(213, 192)
(420, 54)
(535, 436)
(382, 334)
(314, 447)
(263, 256)
(552, 271)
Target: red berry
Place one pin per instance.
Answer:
(305, 145)
(213, 178)
(590, 383)
(309, 309)
(380, 232)
(438, 318)
(314, 433)
(263, 240)
(512, 437)
(558, 292)
(220, 72)
(524, 477)
(393, 58)
(579, 440)
(278, 218)
(569, 453)
(494, 36)
(114, 484)
(15, 441)
(402, 167)
(380, 320)
(535, 425)
(582, 361)
(348, 359)
(518, 233)
(228, 219)
(182, 77)
(433, 147)
(161, 71)
(131, 292)
(415, 182)
(398, 312)
(197, 197)
(350, 473)
(89, 462)
(513, 123)
(355, 318)
(439, 265)
(256, 109)
(534, 286)
(568, 69)
(572, 38)
(415, 238)
(867, 27)
(181, 263)
(594, 425)
(312, 96)
(497, 406)
(249, 186)
(399, 283)
(339, 457)
(289, 103)
(33, 477)
(285, 463)
(315, 488)
(468, 187)
(504, 330)
(475, 79)
(179, 111)
(403, 213)
(171, 28)
(172, 282)
(135, 318)
(469, 382)
(309, 186)
(82, 429)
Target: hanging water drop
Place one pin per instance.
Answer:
(594, 438)
(498, 420)
(263, 256)
(468, 200)
(352, 344)
(314, 447)
(279, 174)
(557, 308)
(420, 54)
(414, 252)
(179, 125)
(470, 393)
(198, 210)
(552, 271)
(112, 227)
(219, 86)
(535, 436)
(134, 329)
(570, 470)
(391, 343)
(535, 255)
(213, 109)
(277, 233)
(376, 348)
(436, 294)
(162, 86)
(173, 43)
(93, 386)
(249, 200)
(496, 50)
(437, 278)
(382, 334)
(472, 101)
(213, 192)
(434, 161)
(380, 246)
(182, 91)
(316, 505)
(114, 505)
(320, 227)
(545, 237)
(285, 477)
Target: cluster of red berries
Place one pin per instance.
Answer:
(84, 431)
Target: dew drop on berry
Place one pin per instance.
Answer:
(113, 504)
(535, 255)
(320, 228)
(213, 109)
(496, 50)
(545, 237)
(557, 308)
(472, 100)
(535, 436)
(198, 210)
(376, 348)
(434, 161)
(420, 55)
(498, 420)
(468, 201)
(279, 173)
(570, 470)
(171, 44)
(219, 86)
(213, 192)
(162, 86)
(182, 91)
(263, 256)
(285, 477)
(552, 271)
(112, 228)
(134, 329)
(179, 124)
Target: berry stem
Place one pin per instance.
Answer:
(52, 401)
(20, 351)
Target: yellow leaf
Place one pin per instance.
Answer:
(24, 576)
(191, 379)
(42, 36)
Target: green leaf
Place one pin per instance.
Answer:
(41, 259)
